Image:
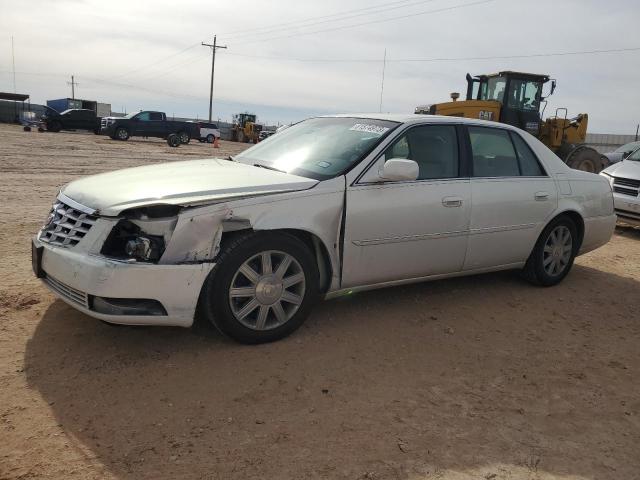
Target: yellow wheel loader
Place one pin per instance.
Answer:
(245, 129)
(516, 98)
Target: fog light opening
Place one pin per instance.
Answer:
(127, 306)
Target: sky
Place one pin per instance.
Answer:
(290, 59)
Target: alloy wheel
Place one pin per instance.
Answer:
(267, 290)
(557, 251)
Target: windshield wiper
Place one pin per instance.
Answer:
(268, 167)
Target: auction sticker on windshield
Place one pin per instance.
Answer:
(363, 127)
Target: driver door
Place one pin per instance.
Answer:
(409, 229)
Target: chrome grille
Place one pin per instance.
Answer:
(626, 186)
(76, 296)
(66, 226)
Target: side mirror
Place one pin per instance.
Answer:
(399, 169)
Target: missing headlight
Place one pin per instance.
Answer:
(128, 241)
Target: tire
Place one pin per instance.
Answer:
(54, 126)
(552, 248)
(121, 133)
(184, 137)
(26, 128)
(210, 138)
(586, 159)
(276, 310)
(96, 131)
(173, 140)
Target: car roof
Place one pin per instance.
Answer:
(410, 118)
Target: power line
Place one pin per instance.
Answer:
(370, 22)
(149, 65)
(438, 59)
(308, 19)
(338, 17)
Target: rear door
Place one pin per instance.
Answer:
(512, 198)
(409, 229)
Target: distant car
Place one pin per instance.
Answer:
(265, 134)
(622, 152)
(330, 206)
(72, 119)
(624, 177)
(148, 124)
(208, 132)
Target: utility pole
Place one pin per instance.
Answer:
(384, 66)
(13, 61)
(213, 47)
(73, 84)
(637, 130)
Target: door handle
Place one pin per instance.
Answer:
(452, 201)
(541, 196)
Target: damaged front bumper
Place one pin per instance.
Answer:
(133, 293)
(69, 256)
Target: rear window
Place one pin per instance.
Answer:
(493, 153)
(500, 153)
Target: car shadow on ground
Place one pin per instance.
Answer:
(482, 374)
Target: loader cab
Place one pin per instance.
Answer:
(519, 93)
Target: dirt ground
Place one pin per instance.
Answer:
(483, 377)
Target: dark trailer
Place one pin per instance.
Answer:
(12, 106)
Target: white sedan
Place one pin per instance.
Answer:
(328, 206)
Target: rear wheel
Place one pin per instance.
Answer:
(262, 288)
(184, 137)
(173, 140)
(122, 133)
(554, 253)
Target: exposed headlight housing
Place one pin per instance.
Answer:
(127, 241)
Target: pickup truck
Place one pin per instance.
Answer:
(72, 119)
(148, 124)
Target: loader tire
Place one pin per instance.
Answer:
(586, 159)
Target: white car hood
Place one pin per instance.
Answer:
(179, 183)
(625, 169)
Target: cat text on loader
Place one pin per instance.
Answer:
(515, 98)
(245, 129)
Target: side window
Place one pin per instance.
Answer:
(155, 116)
(433, 147)
(493, 153)
(143, 117)
(529, 164)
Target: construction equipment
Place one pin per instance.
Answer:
(245, 129)
(515, 98)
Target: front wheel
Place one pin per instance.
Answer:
(122, 134)
(210, 138)
(553, 254)
(54, 126)
(262, 288)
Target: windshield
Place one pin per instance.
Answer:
(524, 94)
(493, 89)
(319, 148)
(131, 115)
(629, 147)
